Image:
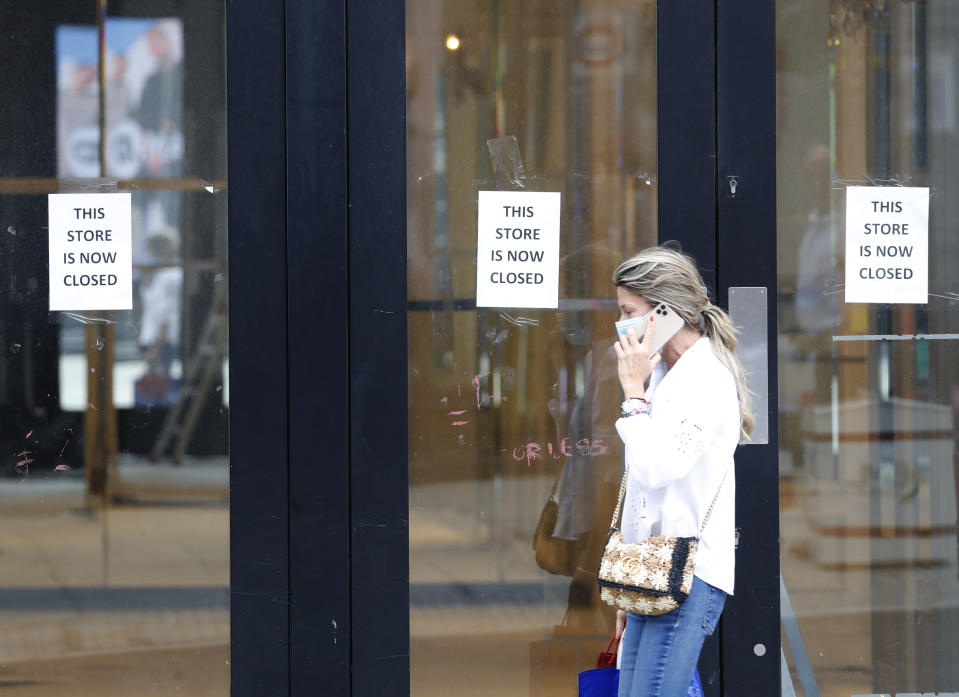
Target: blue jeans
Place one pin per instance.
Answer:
(660, 653)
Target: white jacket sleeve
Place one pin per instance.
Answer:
(661, 447)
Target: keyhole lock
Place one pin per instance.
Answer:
(733, 185)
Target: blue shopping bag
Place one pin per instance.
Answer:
(599, 682)
(695, 688)
(604, 682)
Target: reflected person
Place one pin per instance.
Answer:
(588, 481)
(583, 407)
(160, 293)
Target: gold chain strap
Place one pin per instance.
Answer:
(709, 511)
(619, 501)
(622, 494)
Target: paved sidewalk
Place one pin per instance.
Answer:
(128, 599)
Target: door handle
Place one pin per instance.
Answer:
(748, 311)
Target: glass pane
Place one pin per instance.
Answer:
(513, 407)
(869, 392)
(115, 499)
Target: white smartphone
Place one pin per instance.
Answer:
(666, 324)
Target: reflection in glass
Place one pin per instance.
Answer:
(512, 409)
(143, 125)
(115, 574)
(867, 427)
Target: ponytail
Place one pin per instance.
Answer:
(722, 335)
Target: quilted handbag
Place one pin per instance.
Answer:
(650, 577)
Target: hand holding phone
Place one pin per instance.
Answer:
(635, 358)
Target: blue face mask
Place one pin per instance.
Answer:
(638, 325)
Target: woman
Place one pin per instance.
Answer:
(685, 412)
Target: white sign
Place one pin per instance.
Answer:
(517, 249)
(91, 253)
(887, 244)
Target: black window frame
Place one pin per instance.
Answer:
(317, 215)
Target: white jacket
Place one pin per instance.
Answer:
(677, 456)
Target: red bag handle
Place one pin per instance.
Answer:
(610, 644)
(607, 659)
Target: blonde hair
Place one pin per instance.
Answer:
(665, 275)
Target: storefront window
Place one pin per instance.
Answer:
(513, 407)
(115, 534)
(869, 391)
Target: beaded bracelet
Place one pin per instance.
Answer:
(635, 405)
